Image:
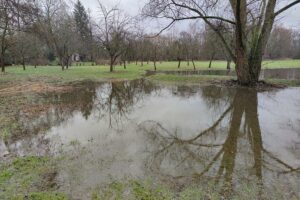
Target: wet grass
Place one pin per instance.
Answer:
(33, 178)
(209, 79)
(147, 190)
(290, 83)
(193, 79)
(30, 178)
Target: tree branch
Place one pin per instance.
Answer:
(286, 7)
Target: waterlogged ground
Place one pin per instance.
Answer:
(138, 140)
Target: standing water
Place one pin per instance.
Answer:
(175, 135)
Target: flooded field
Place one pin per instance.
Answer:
(177, 136)
(287, 74)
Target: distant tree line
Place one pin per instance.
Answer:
(49, 31)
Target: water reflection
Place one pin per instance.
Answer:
(170, 133)
(230, 151)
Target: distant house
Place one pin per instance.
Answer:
(75, 57)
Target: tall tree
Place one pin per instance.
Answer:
(83, 28)
(55, 26)
(82, 20)
(113, 31)
(251, 20)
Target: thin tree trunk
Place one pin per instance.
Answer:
(111, 69)
(179, 63)
(228, 64)
(2, 64)
(155, 57)
(124, 63)
(23, 64)
(194, 65)
(67, 63)
(211, 60)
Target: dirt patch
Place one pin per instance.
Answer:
(29, 87)
(35, 110)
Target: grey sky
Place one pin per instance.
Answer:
(291, 18)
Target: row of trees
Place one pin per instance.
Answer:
(36, 32)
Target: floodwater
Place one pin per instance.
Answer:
(174, 135)
(289, 74)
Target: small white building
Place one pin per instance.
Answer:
(75, 57)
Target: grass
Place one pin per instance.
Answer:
(77, 73)
(29, 178)
(207, 189)
(170, 78)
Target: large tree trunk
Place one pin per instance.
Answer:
(248, 70)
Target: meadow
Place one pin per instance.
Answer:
(101, 73)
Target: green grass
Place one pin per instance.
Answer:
(171, 78)
(206, 189)
(31, 177)
(101, 73)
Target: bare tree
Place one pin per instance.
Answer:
(113, 30)
(251, 20)
(15, 16)
(5, 31)
(56, 27)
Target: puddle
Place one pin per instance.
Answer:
(172, 134)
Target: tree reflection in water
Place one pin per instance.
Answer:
(227, 155)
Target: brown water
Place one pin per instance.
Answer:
(173, 134)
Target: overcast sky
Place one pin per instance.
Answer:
(291, 18)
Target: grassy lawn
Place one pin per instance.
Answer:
(100, 73)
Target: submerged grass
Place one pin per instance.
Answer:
(33, 178)
(147, 190)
